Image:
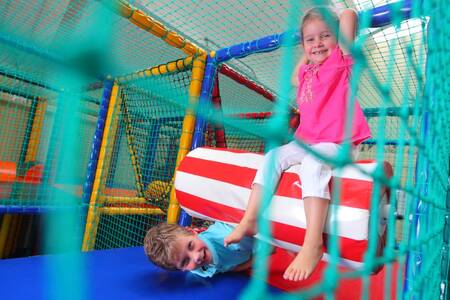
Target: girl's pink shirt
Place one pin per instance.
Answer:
(322, 117)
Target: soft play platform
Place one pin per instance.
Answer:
(116, 274)
(127, 274)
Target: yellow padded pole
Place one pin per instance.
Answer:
(170, 67)
(6, 223)
(93, 216)
(131, 211)
(198, 70)
(147, 23)
(119, 199)
(36, 130)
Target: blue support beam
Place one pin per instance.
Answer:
(384, 15)
(198, 138)
(97, 141)
(380, 16)
(40, 209)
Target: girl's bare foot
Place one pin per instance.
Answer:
(245, 228)
(304, 263)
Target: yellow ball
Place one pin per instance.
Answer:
(157, 189)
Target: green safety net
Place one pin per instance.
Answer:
(143, 151)
(54, 56)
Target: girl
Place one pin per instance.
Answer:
(322, 76)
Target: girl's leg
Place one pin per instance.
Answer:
(247, 226)
(315, 177)
(286, 156)
(305, 262)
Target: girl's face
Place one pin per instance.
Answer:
(192, 253)
(318, 40)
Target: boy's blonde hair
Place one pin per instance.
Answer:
(317, 13)
(160, 244)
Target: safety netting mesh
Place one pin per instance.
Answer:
(31, 144)
(142, 151)
(54, 56)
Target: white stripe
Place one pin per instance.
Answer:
(352, 222)
(253, 161)
(246, 159)
(197, 215)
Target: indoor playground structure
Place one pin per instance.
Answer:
(117, 115)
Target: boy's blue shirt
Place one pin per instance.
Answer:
(224, 258)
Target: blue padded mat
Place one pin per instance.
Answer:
(116, 274)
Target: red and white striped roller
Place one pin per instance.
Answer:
(214, 184)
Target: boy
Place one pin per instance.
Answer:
(173, 247)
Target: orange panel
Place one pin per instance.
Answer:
(7, 171)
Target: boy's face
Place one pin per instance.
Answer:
(318, 40)
(192, 253)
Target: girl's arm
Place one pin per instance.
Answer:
(348, 22)
(294, 77)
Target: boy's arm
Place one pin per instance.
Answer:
(294, 78)
(348, 22)
(244, 266)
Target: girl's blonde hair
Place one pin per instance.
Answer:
(317, 13)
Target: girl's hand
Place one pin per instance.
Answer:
(294, 79)
(348, 23)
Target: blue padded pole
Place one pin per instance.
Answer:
(97, 141)
(38, 209)
(27, 47)
(265, 44)
(198, 139)
(414, 259)
(22, 78)
(371, 112)
(380, 17)
(383, 15)
(386, 142)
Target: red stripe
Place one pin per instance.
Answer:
(354, 192)
(208, 208)
(218, 171)
(350, 249)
